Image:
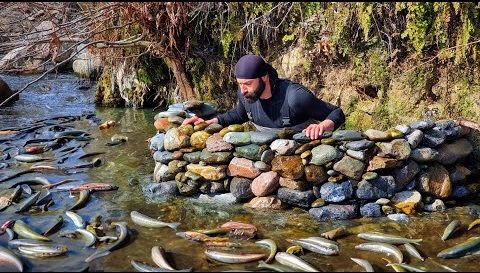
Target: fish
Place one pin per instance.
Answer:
(413, 251)
(94, 187)
(27, 242)
(459, 250)
(16, 193)
(473, 224)
(90, 238)
(213, 231)
(395, 266)
(70, 133)
(410, 268)
(270, 244)
(382, 248)
(82, 199)
(200, 237)
(35, 181)
(77, 219)
(143, 267)
(232, 258)
(43, 250)
(123, 228)
(35, 149)
(27, 203)
(28, 158)
(315, 247)
(364, 263)
(275, 267)
(322, 241)
(25, 231)
(295, 262)
(7, 224)
(58, 183)
(7, 256)
(52, 229)
(90, 154)
(5, 202)
(44, 197)
(159, 259)
(451, 229)
(146, 221)
(387, 238)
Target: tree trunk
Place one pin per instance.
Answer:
(184, 83)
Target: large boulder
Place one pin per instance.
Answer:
(6, 92)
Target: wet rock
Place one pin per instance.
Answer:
(334, 192)
(382, 187)
(459, 173)
(474, 210)
(215, 143)
(241, 188)
(383, 201)
(437, 205)
(216, 199)
(424, 155)
(436, 181)
(161, 191)
(371, 210)
(415, 138)
(318, 203)
(301, 137)
(399, 217)
(265, 184)
(405, 174)
(288, 166)
(170, 113)
(198, 139)
(460, 192)
(296, 198)
(284, 146)
(262, 138)
(156, 142)
(165, 156)
(407, 201)
(175, 140)
(161, 173)
(350, 167)
(322, 154)
(315, 174)
(242, 167)
(265, 202)
(334, 212)
(360, 145)
(347, 135)
(238, 138)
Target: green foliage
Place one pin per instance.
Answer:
(364, 14)
(419, 20)
(288, 38)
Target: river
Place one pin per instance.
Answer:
(130, 166)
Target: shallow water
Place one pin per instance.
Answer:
(60, 95)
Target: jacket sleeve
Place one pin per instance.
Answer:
(303, 102)
(237, 115)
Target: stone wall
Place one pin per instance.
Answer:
(421, 166)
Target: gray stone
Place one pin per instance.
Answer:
(405, 129)
(267, 156)
(347, 135)
(284, 146)
(262, 166)
(193, 157)
(322, 154)
(360, 145)
(424, 155)
(334, 212)
(459, 192)
(382, 187)
(172, 113)
(217, 199)
(437, 205)
(415, 138)
(336, 192)
(377, 135)
(262, 138)
(350, 167)
(237, 138)
(422, 125)
(360, 155)
(295, 197)
(433, 138)
(160, 191)
(215, 158)
(451, 130)
(371, 210)
(241, 188)
(156, 142)
(403, 175)
(452, 152)
(163, 156)
(399, 217)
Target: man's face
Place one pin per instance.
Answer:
(251, 89)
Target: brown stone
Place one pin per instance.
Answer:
(162, 124)
(215, 143)
(379, 163)
(288, 166)
(265, 184)
(436, 181)
(315, 174)
(292, 184)
(265, 202)
(242, 167)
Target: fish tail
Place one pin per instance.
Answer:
(417, 241)
(174, 225)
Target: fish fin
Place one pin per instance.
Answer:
(174, 225)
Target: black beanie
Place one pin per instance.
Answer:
(251, 67)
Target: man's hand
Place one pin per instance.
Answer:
(313, 131)
(197, 120)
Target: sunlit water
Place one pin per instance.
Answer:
(64, 95)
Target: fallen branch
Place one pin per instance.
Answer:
(468, 123)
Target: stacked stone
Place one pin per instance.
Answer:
(344, 174)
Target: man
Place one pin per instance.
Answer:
(272, 103)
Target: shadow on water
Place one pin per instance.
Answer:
(64, 95)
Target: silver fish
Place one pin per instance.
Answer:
(7, 256)
(469, 246)
(364, 263)
(231, 258)
(122, 226)
(29, 158)
(275, 266)
(143, 267)
(159, 259)
(146, 221)
(315, 247)
(387, 238)
(293, 261)
(90, 238)
(413, 251)
(43, 250)
(450, 229)
(410, 268)
(77, 219)
(382, 248)
(270, 244)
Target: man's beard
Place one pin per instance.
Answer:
(251, 98)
